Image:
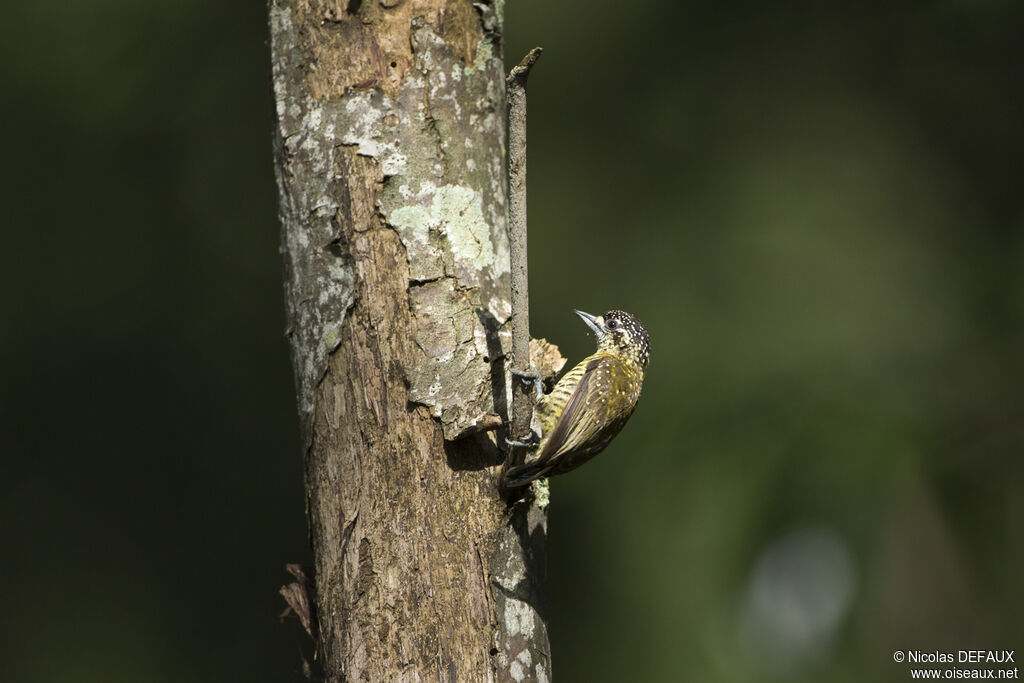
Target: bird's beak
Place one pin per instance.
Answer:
(591, 322)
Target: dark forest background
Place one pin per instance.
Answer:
(815, 208)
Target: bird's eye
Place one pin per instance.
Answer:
(612, 324)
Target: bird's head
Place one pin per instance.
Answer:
(620, 333)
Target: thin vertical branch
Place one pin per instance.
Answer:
(522, 392)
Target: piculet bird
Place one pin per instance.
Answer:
(591, 403)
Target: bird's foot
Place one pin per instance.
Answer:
(528, 376)
(531, 443)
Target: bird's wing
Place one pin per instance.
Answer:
(579, 429)
(551, 406)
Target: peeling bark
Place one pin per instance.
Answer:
(391, 175)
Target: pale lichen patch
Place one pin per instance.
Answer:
(368, 126)
(542, 493)
(518, 618)
(413, 223)
(484, 52)
(461, 214)
(455, 212)
(514, 573)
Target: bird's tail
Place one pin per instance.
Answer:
(522, 475)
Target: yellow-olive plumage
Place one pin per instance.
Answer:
(590, 404)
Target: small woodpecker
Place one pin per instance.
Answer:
(591, 403)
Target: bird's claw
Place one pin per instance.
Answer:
(521, 444)
(530, 375)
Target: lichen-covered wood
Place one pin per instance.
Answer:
(391, 173)
(522, 394)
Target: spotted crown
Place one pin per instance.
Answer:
(628, 334)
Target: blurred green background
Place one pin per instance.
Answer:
(814, 207)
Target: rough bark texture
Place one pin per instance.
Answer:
(391, 173)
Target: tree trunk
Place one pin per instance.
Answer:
(391, 172)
